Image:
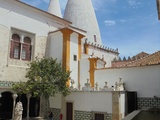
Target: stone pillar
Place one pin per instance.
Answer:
(116, 110)
(28, 102)
(14, 96)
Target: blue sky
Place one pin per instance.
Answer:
(132, 26)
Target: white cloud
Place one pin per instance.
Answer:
(109, 22)
(126, 20)
(99, 4)
(134, 3)
(123, 20)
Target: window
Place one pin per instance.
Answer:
(95, 38)
(75, 57)
(15, 47)
(21, 47)
(26, 49)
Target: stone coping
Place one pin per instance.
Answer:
(132, 115)
(97, 91)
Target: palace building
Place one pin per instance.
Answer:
(99, 89)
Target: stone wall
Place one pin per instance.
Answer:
(56, 112)
(80, 115)
(148, 102)
(13, 69)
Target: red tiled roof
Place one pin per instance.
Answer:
(140, 55)
(152, 59)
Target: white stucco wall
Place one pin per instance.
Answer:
(91, 101)
(84, 71)
(100, 64)
(108, 56)
(86, 101)
(56, 46)
(13, 16)
(10, 70)
(55, 102)
(144, 80)
(74, 64)
(21, 18)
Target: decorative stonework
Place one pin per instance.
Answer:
(44, 107)
(56, 112)
(148, 102)
(82, 115)
(6, 84)
(86, 115)
(108, 116)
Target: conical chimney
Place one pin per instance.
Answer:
(54, 8)
(81, 14)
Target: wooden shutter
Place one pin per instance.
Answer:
(15, 43)
(27, 46)
(12, 49)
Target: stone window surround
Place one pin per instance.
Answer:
(22, 34)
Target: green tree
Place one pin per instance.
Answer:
(21, 88)
(46, 77)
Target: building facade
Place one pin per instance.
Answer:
(27, 32)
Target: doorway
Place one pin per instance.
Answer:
(34, 107)
(99, 116)
(69, 111)
(6, 105)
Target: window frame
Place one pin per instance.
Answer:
(74, 57)
(15, 44)
(24, 45)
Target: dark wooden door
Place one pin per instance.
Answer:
(6, 106)
(99, 116)
(132, 101)
(69, 111)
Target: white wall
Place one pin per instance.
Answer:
(27, 21)
(74, 64)
(21, 18)
(100, 64)
(55, 102)
(108, 56)
(84, 71)
(56, 46)
(86, 101)
(144, 80)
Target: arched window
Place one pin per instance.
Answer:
(20, 49)
(15, 47)
(26, 49)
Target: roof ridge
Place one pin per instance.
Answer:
(150, 59)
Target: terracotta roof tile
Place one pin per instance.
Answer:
(152, 59)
